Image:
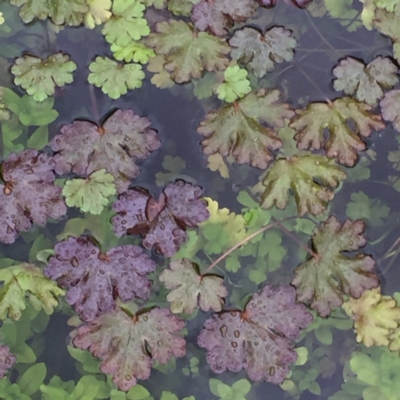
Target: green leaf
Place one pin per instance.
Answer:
(115, 79)
(90, 194)
(168, 396)
(23, 279)
(32, 378)
(235, 85)
(40, 77)
(324, 335)
(138, 392)
(135, 51)
(126, 23)
(25, 354)
(362, 207)
(39, 138)
(89, 363)
(40, 243)
(182, 7)
(241, 387)
(187, 51)
(31, 112)
(310, 178)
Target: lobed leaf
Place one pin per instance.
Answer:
(83, 147)
(390, 106)
(162, 223)
(190, 289)
(259, 339)
(322, 281)
(235, 84)
(259, 52)
(311, 179)
(237, 129)
(128, 346)
(95, 280)
(343, 143)
(188, 52)
(40, 77)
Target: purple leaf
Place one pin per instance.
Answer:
(28, 194)
(128, 346)
(83, 147)
(297, 3)
(162, 223)
(7, 360)
(259, 339)
(94, 280)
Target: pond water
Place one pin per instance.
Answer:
(332, 363)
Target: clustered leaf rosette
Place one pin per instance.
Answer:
(84, 147)
(95, 280)
(259, 339)
(28, 194)
(163, 222)
(129, 345)
(7, 360)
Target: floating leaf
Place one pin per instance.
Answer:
(365, 82)
(343, 143)
(235, 84)
(182, 7)
(237, 130)
(215, 162)
(297, 3)
(162, 223)
(69, 12)
(28, 194)
(7, 360)
(259, 52)
(388, 23)
(324, 278)
(219, 15)
(98, 13)
(115, 79)
(187, 51)
(94, 280)
(362, 207)
(259, 339)
(375, 316)
(83, 147)
(390, 106)
(128, 346)
(159, 4)
(135, 51)
(190, 289)
(40, 77)
(237, 391)
(311, 178)
(22, 280)
(126, 23)
(90, 194)
(161, 77)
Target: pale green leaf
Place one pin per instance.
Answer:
(235, 85)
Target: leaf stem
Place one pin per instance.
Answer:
(242, 242)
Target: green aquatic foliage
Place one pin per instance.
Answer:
(343, 143)
(98, 12)
(190, 289)
(363, 207)
(90, 194)
(171, 396)
(182, 7)
(344, 11)
(259, 52)
(237, 391)
(135, 51)
(22, 282)
(193, 368)
(40, 77)
(388, 23)
(235, 84)
(126, 23)
(312, 179)
(69, 12)
(88, 388)
(175, 167)
(366, 82)
(239, 129)
(113, 78)
(4, 113)
(188, 52)
(324, 278)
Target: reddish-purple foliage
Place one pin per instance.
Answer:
(7, 360)
(219, 15)
(94, 280)
(28, 194)
(259, 339)
(83, 147)
(128, 346)
(297, 3)
(162, 223)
